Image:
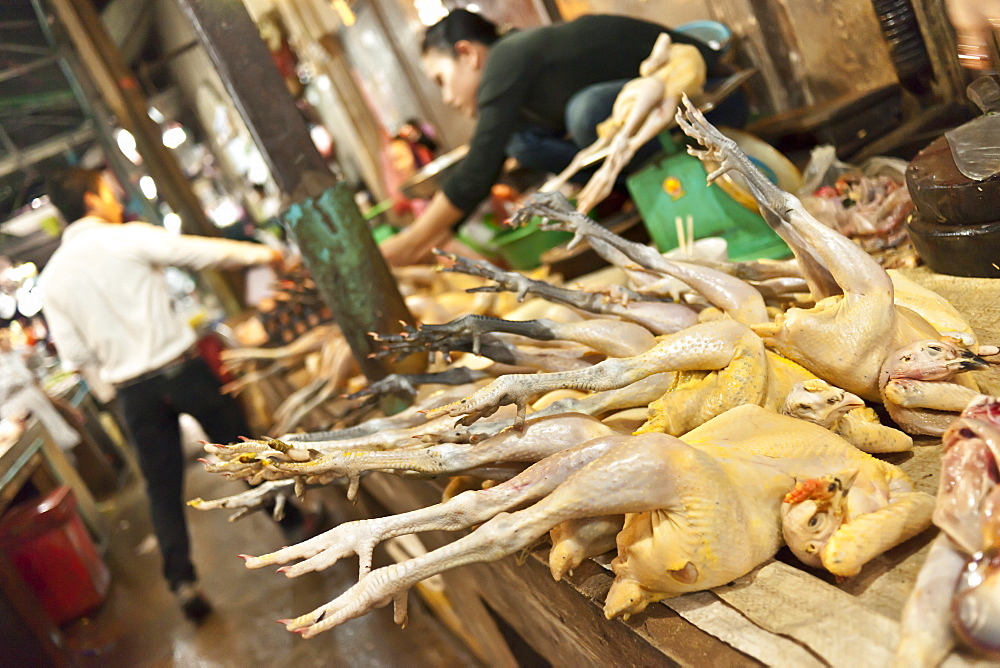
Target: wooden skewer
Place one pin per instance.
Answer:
(690, 236)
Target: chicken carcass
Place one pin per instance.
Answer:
(641, 110)
(687, 503)
(855, 326)
(958, 588)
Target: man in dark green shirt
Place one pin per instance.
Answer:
(538, 94)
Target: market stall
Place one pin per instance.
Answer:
(767, 627)
(706, 392)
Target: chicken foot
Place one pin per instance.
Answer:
(252, 499)
(540, 438)
(407, 383)
(610, 337)
(707, 346)
(830, 262)
(735, 297)
(657, 317)
(244, 460)
(458, 512)
(410, 417)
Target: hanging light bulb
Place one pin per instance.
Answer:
(148, 187)
(174, 136)
(126, 143)
(430, 11)
(172, 222)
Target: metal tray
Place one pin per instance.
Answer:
(429, 180)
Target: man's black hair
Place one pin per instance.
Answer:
(458, 25)
(67, 187)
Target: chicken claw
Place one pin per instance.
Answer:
(407, 383)
(718, 148)
(326, 549)
(738, 299)
(355, 602)
(459, 512)
(251, 499)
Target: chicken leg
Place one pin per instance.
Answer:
(735, 297)
(540, 438)
(707, 346)
(610, 337)
(618, 482)
(656, 316)
(459, 512)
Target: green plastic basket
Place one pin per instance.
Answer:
(673, 185)
(523, 247)
(383, 232)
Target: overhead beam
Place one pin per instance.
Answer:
(9, 73)
(23, 48)
(7, 142)
(54, 146)
(17, 24)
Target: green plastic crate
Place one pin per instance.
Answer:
(673, 184)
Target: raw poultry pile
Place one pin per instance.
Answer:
(956, 595)
(697, 435)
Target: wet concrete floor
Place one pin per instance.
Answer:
(141, 624)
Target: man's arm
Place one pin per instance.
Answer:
(195, 252)
(430, 230)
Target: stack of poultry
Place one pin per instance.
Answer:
(696, 435)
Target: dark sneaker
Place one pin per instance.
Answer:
(193, 603)
(303, 525)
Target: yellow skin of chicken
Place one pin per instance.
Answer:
(750, 458)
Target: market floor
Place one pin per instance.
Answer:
(141, 624)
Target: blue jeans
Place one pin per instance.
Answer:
(543, 149)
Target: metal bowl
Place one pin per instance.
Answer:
(429, 180)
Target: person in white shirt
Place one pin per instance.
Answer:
(106, 303)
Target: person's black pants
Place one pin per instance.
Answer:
(151, 408)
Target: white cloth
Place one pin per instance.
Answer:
(105, 299)
(20, 396)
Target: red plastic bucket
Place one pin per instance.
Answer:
(51, 549)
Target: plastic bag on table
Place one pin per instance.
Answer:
(867, 202)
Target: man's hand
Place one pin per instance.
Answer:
(283, 263)
(408, 247)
